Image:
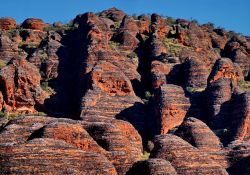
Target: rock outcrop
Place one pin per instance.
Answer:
(34, 24)
(240, 128)
(171, 107)
(110, 93)
(50, 156)
(20, 82)
(152, 167)
(184, 157)
(7, 23)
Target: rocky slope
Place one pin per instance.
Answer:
(113, 94)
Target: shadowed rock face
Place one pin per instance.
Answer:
(21, 85)
(199, 135)
(129, 83)
(241, 118)
(171, 106)
(219, 94)
(8, 48)
(183, 156)
(122, 142)
(109, 144)
(152, 167)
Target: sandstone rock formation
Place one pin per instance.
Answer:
(199, 135)
(50, 156)
(152, 167)
(184, 157)
(7, 23)
(20, 82)
(92, 96)
(240, 128)
(8, 48)
(171, 106)
(34, 24)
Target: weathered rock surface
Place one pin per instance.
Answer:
(20, 82)
(123, 80)
(111, 92)
(171, 106)
(73, 134)
(120, 139)
(34, 24)
(199, 135)
(7, 23)
(8, 48)
(224, 68)
(184, 157)
(152, 167)
(51, 157)
(240, 128)
(196, 74)
(114, 14)
(219, 106)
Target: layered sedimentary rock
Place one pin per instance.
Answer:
(196, 74)
(7, 23)
(159, 72)
(225, 68)
(47, 58)
(120, 140)
(50, 156)
(240, 128)
(199, 135)
(117, 140)
(219, 106)
(18, 131)
(238, 50)
(127, 34)
(238, 154)
(171, 106)
(34, 24)
(111, 92)
(114, 14)
(20, 81)
(126, 79)
(159, 27)
(73, 134)
(184, 157)
(8, 48)
(152, 167)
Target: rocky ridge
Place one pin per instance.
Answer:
(114, 94)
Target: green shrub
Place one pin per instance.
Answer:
(194, 21)
(45, 86)
(67, 27)
(230, 35)
(2, 114)
(145, 155)
(244, 85)
(15, 115)
(132, 55)
(221, 132)
(217, 50)
(174, 48)
(3, 63)
(193, 90)
(148, 95)
(12, 33)
(170, 21)
(113, 44)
